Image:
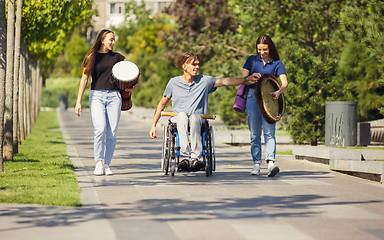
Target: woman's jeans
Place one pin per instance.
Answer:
(105, 110)
(255, 124)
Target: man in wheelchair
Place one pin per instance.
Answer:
(189, 95)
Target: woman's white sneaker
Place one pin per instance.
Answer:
(107, 170)
(256, 170)
(99, 168)
(273, 170)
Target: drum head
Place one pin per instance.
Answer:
(272, 110)
(125, 71)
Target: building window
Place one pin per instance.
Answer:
(163, 5)
(113, 8)
(117, 8)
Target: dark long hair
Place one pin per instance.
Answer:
(89, 60)
(264, 39)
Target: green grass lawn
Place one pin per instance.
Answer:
(284, 153)
(41, 173)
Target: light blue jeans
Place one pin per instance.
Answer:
(256, 123)
(105, 108)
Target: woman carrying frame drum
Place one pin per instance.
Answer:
(269, 66)
(104, 100)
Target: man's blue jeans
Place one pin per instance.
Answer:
(105, 108)
(256, 123)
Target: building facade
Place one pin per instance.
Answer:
(112, 13)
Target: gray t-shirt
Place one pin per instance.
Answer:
(190, 98)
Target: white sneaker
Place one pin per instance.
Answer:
(99, 168)
(256, 170)
(107, 170)
(273, 170)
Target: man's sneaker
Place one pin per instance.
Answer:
(256, 170)
(99, 168)
(107, 170)
(273, 170)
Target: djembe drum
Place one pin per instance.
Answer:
(125, 74)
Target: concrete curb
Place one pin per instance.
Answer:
(361, 162)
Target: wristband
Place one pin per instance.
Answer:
(245, 79)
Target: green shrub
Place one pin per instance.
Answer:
(70, 86)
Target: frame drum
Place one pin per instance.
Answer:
(272, 110)
(125, 74)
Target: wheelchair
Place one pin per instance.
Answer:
(170, 157)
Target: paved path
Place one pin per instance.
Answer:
(304, 201)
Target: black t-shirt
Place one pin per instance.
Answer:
(102, 70)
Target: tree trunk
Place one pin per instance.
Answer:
(28, 104)
(16, 75)
(8, 118)
(23, 76)
(3, 52)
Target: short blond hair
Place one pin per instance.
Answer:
(187, 58)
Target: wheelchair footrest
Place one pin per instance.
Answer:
(192, 170)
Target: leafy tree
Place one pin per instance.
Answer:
(75, 50)
(47, 24)
(361, 73)
(137, 17)
(146, 38)
(300, 21)
(154, 75)
(362, 62)
(312, 82)
(197, 24)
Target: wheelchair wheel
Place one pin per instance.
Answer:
(207, 148)
(167, 157)
(213, 150)
(208, 165)
(174, 157)
(164, 149)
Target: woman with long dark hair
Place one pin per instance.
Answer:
(104, 100)
(267, 60)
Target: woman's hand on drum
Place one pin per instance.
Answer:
(133, 88)
(78, 109)
(275, 95)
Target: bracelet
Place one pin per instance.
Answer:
(245, 79)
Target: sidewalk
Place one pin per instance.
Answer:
(304, 201)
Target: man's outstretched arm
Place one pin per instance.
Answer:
(252, 79)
